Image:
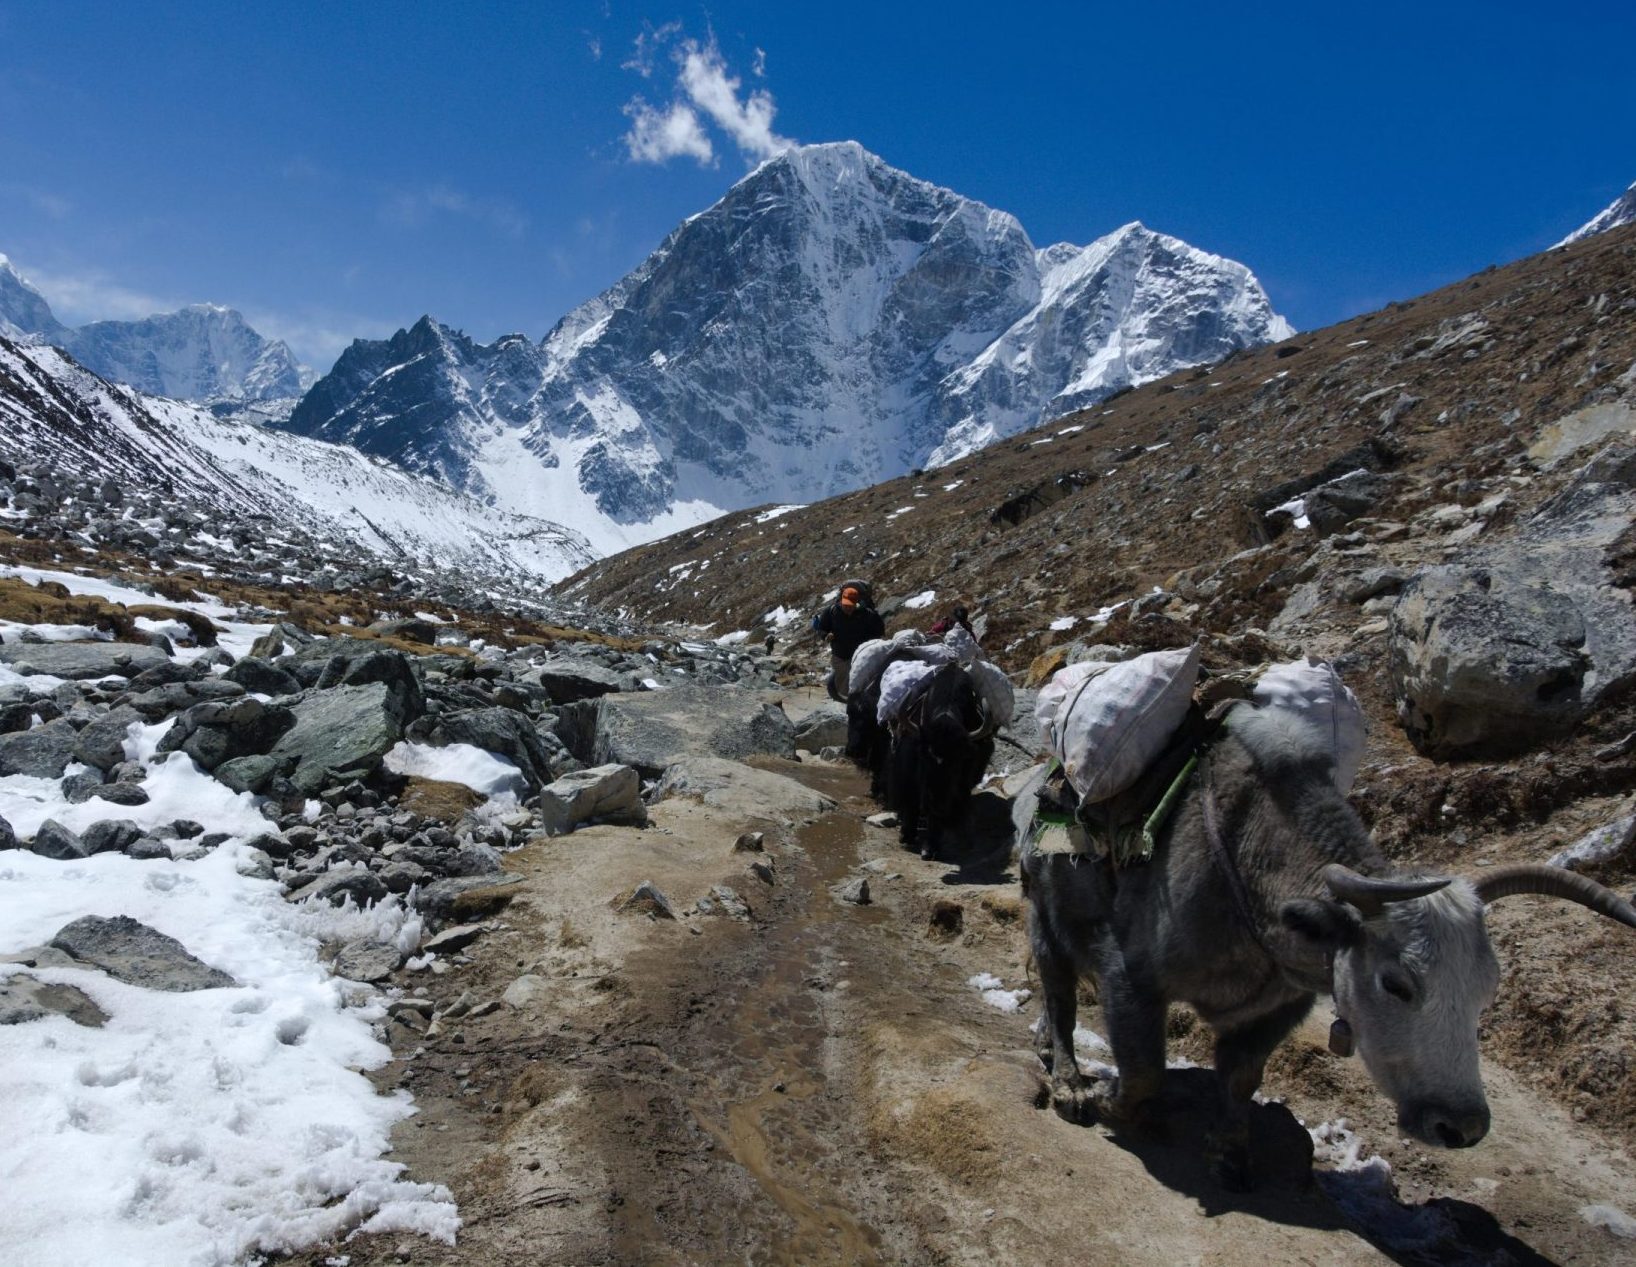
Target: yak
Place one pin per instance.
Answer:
(1265, 890)
(868, 739)
(942, 742)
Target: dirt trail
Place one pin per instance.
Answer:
(821, 1084)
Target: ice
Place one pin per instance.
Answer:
(996, 995)
(477, 768)
(1064, 622)
(1610, 1217)
(923, 599)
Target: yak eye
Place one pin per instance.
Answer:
(1397, 984)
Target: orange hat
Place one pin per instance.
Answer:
(849, 597)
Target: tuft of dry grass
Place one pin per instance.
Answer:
(431, 798)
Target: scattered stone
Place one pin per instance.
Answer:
(725, 900)
(83, 661)
(111, 835)
(41, 753)
(132, 952)
(612, 792)
(335, 886)
(854, 891)
(366, 960)
(646, 899)
(762, 869)
(8, 838)
(126, 794)
(255, 865)
(1605, 844)
(53, 840)
(527, 991)
(825, 727)
(886, 818)
(147, 849)
(24, 999)
(452, 939)
(750, 842)
(469, 897)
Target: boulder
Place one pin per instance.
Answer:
(218, 731)
(262, 676)
(340, 883)
(41, 753)
(567, 681)
(8, 838)
(24, 999)
(824, 727)
(53, 840)
(366, 960)
(468, 897)
(655, 729)
(342, 733)
(738, 789)
(15, 715)
(611, 792)
(82, 661)
(121, 794)
(111, 835)
(101, 744)
(132, 952)
(646, 899)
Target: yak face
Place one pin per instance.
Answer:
(1412, 980)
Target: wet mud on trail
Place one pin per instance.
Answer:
(821, 1083)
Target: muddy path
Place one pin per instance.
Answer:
(820, 1082)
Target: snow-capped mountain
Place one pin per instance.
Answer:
(1621, 210)
(201, 352)
(830, 323)
(55, 413)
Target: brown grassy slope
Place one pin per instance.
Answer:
(1443, 389)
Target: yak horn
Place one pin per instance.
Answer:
(1370, 893)
(1536, 877)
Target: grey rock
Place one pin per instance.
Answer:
(506, 732)
(53, 840)
(736, 788)
(82, 661)
(1605, 844)
(646, 899)
(471, 896)
(1373, 582)
(132, 952)
(121, 794)
(249, 774)
(400, 877)
(82, 786)
(825, 727)
(101, 744)
(567, 681)
(262, 676)
(337, 885)
(655, 729)
(15, 716)
(24, 999)
(527, 991)
(366, 960)
(255, 864)
(147, 849)
(8, 838)
(750, 842)
(218, 731)
(854, 892)
(611, 792)
(453, 939)
(342, 733)
(725, 901)
(111, 835)
(41, 753)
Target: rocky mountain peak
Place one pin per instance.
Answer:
(832, 321)
(1622, 210)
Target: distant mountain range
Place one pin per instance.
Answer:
(202, 352)
(830, 323)
(57, 416)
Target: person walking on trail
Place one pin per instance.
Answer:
(959, 616)
(849, 622)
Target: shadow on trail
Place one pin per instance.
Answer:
(1443, 1232)
(980, 851)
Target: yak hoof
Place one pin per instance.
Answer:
(1074, 1102)
(928, 853)
(1230, 1163)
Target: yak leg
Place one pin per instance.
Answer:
(1241, 1059)
(929, 825)
(1054, 1040)
(1136, 1014)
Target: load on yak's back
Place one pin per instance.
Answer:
(921, 717)
(1193, 843)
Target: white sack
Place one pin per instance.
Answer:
(934, 653)
(897, 684)
(1107, 723)
(994, 689)
(867, 662)
(964, 646)
(1314, 691)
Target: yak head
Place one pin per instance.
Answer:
(1413, 971)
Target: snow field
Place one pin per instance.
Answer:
(206, 1127)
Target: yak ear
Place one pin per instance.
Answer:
(1326, 925)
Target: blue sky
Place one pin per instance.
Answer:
(335, 170)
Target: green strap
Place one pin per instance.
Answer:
(1166, 806)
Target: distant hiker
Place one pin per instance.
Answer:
(772, 641)
(849, 622)
(958, 616)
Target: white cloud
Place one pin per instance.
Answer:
(657, 135)
(77, 298)
(53, 206)
(705, 88)
(412, 208)
(317, 338)
(647, 47)
(749, 122)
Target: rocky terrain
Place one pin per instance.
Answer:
(634, 968)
